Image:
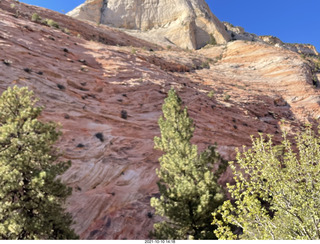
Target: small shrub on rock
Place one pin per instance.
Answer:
(35, 17)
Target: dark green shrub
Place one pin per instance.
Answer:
(212, 40)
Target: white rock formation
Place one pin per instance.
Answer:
(238, 33)
(185, 23)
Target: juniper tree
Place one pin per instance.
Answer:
(31, 197)
(276, 195)
(188, 187)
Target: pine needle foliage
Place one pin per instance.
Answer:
(31, 197)
(188, 187)
(276, 195)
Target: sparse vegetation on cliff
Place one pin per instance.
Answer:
(212, 40)
(35, 17)
(49, 22)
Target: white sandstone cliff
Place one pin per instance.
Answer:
(185, 23)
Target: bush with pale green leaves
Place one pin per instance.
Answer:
(35, 17)
(31, 196)
(276, 194)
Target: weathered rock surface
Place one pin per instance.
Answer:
(306, 49)
(185, 23)
(238, 33)
(89, 87)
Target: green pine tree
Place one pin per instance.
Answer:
(188, 187)
(31, 197)
(276, 195)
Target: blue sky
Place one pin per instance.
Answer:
(295, 21)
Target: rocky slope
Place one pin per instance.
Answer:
(185, 23)
(238, 33)
(306, 49)
(107, 88)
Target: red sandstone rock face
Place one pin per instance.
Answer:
(108, 99)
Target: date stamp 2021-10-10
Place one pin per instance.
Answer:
(160, 242)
